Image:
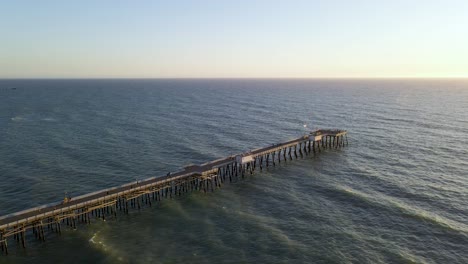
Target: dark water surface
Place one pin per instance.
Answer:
(397, 194)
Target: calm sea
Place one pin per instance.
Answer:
(397, 194)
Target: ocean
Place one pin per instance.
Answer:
(397, 194)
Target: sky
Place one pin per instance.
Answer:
(234, 39)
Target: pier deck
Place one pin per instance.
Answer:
(204, 177)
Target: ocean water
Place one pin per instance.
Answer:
(397, 194)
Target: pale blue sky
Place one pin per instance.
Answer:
(360, 38)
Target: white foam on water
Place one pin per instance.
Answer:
(17, 118)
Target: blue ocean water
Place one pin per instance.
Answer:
(397, 194)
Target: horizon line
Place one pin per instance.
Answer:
(237, 78)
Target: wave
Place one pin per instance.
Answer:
(391, 204)
(22, 118)
(17, 118)
(380, 250)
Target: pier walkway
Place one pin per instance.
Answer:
(204, 177)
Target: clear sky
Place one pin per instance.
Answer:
(241, 38)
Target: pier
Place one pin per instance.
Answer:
(205, 177)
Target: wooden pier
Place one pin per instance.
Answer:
(205, 177)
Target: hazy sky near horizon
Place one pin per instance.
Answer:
(243, 38)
